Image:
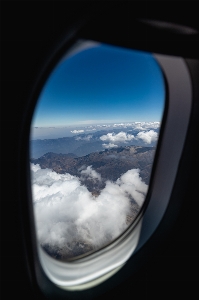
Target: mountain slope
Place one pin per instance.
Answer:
(110, 163)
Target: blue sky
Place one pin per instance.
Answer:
(102, 84)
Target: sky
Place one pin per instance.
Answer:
(102, 84)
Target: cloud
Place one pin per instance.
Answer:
(77, 131)
(145, 125)
(120, 137)
(108, 146)
(104, 125)
(131, 183)
(138, 125)
(147, 136)
(118, 125)
(66, 213)
(152, 125)
(84, 138)
(89, 173)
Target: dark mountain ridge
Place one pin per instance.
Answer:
(110, 163)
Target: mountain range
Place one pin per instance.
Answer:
(110, 164)
(81, 144)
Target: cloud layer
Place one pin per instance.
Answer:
(67, 213)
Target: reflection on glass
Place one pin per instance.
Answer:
(93, 139)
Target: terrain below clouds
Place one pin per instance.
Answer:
(82, 202)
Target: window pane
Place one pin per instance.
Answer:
(93, 138)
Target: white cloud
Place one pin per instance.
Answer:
(148, 136)
(153, 125)
(90, 174)
(131, 183)
(77, 131)
(117, 124)
(108, 146)
(85, 138)
(138, 125)
(145, 125)
(120, 137)
(66, 212)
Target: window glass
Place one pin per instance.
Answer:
(93, 138)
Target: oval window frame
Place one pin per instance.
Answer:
(110, 259)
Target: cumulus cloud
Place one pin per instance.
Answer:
(89, 173)
(120, 137)
(148, 136)
(132, 184)
(108, 146)
(67, 213)
(77, 131)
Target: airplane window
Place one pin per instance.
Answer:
(93, 139)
